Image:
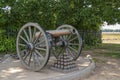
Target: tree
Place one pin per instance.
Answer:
(83, 14)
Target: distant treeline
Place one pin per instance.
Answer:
(111, 30)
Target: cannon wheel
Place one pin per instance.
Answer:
(74, 43)
(32, 51)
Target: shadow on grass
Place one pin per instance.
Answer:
(106, 50)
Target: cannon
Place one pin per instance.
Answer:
(34, 44)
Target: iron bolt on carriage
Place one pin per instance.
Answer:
(35, 44)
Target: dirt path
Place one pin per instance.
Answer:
(106, 68)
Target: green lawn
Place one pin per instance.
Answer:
(111, 50)
(105, 50)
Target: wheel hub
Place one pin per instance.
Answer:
(29, 46)
(65, 43)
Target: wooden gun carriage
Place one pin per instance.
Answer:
(35, 44)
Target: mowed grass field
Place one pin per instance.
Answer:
(111, 38)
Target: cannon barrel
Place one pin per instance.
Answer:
(57, 33)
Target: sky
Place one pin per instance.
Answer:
(114, 27)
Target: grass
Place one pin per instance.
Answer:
(110, 46)
(105, 50)
(112, 54)
(109, 50)
(99, 60)
(111, 38)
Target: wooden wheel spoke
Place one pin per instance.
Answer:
(37, 38)
(24, 39)
(34, 59)
(73, 49)
(30, 33)
(69, 36)
(64, 37)
(69, 52)
(38, 53)
(22, 53)
(28, 39)
(73, 39)
(41, 49)
(39, 43)
(21, 44)
(34, 32)
(43, 40)
(61, 51)
(37, 59)
(26, 55)
(29, 61)
(73, 44)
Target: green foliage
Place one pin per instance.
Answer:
(7, 43)
(83, 14)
